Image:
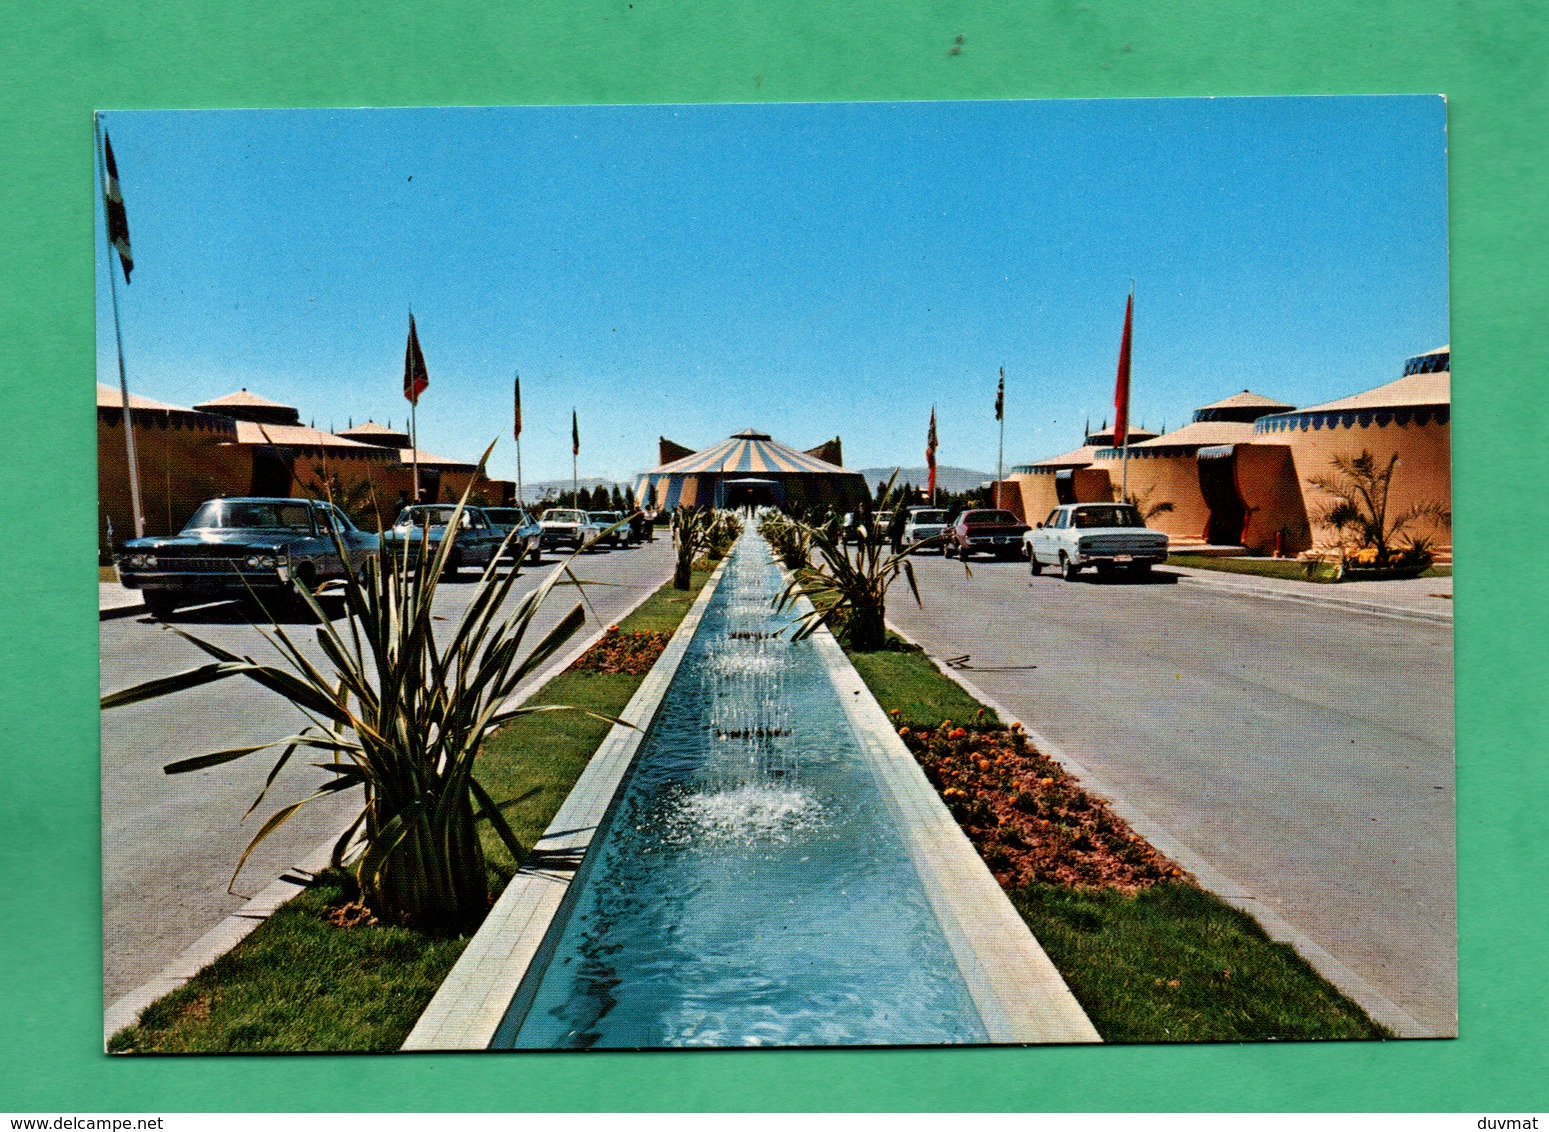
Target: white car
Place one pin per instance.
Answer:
(565, 527)
(1106, 536)
(924, 523)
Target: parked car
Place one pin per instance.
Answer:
(608, 529)
(564, 527)
(421, 527)
(526, 542)
(925, 523)
(993, 531)
(242, 547)
(1106, 536)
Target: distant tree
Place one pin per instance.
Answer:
(617, 501)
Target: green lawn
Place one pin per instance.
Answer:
(300, 983)
(1171, 962)
(906, 681)
(1275, 567)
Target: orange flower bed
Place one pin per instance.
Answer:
(1029, 820)
(630, 653)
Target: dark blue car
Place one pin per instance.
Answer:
(241, 547)
(478, 540)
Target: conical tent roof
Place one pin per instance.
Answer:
(750, 451)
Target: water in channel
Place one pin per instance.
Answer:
(749, 887)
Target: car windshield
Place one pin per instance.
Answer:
(237, 514)
(928, 517)
(975, 517)
(564, 517)
(1114, 516)
(434, 516)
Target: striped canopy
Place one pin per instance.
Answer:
(749, 451)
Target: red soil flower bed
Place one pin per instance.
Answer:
(631, 653)
(1029, 819)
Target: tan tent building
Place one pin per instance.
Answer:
(1410, 418)
(246, 444)
(185, 457)
(1031, 491)
(750, 468)
(1194, 469)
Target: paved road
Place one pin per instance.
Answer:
(1305, 753)
(169, 843)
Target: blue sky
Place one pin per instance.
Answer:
(810, 270)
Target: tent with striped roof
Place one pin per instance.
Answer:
(749, 468)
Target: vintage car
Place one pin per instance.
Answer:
(993, 531)
(564, 527)
(526, 542)
(423, 526)
(925, 523)
(1107, 536)
(245, 547)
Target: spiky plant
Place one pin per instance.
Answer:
(848, 586)
(401, 714)
(1358, 510)
(690, 535)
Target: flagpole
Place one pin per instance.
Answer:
(1124, 463)
(520, 498)
(1000, 458)
(414, 443)
(118, 337)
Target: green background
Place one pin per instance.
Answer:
(59, 59)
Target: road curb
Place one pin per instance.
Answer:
(1378, 1006)
(127, 1008)
(112, 612)
(1355, 605)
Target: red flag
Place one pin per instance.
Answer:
(575, 435)
(1121, 387)
(930, 453)
(415, 379)
(1000, 396)
(517, 432)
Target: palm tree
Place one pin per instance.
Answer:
(1359, 510)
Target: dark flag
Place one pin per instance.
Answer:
(517, 430)
(113, 207)
(930, 454)
(1121, 386)
(575, 435)
(415, 379)
(1000, 396)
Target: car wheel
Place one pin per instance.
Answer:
(1033, 565)
(535, 555)
(949, 552)
(453, 565)
(1068, 569)
(160, 603)
(1141, 570)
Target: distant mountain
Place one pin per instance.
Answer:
(539, 489)
(948, 478)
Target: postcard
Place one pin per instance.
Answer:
(880, 574)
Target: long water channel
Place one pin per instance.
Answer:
(749, 886)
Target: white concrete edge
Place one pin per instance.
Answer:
(1019, 994)
(127, 1008)
(1378, 1006)
(1354, 605)
(472, 1001)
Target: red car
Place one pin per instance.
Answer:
(996, 532)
